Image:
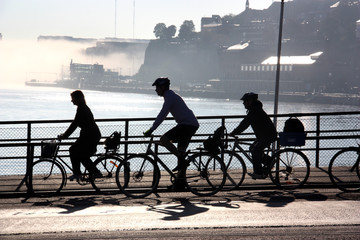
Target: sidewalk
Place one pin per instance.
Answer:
(172, 211)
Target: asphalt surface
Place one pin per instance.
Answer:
(322, 213)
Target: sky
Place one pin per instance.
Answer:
(23, 58)
(28, 19)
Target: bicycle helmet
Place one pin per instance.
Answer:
(249, 95)
(161, 81)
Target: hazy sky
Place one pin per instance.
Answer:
(27, 19)
(21, 21)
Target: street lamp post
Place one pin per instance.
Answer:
(277, 83)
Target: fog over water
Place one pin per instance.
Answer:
(23, 60)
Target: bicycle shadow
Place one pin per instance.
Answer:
(278, 198)
(175, 212)
(77, 204)
(176, 208)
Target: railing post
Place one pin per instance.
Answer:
(29, 160)
(29, 169)
(126, 147)
(317, 151)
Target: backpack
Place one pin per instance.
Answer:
(293, 124)
(294, 133)
(213, 143)
(113, 141)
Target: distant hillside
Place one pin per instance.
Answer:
(326, 26)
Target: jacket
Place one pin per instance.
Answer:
(260, 122)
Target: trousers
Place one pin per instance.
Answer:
(257, 151)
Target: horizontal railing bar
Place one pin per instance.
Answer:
(171, 118)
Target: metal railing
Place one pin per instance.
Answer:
(20, 140)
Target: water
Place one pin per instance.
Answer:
(43, 103)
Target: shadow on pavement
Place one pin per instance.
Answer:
(175, 212)
(185, 203)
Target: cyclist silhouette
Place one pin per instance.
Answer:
(263, 128)
(86, 144)
(186, 127)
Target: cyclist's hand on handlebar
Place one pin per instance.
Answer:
(148, 133)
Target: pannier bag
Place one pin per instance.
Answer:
(214, 143)
(113, 141)
(48, 148)
(294, 133)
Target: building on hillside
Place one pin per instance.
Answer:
(240, 75)
(92, 75)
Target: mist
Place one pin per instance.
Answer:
(23, 60)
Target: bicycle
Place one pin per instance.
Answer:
(344, 169)
(48, 173)
(288, 168)
(138, 175)
(107, 163)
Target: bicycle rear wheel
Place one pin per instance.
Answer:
(205, 175)
(235, 170)
(137, 176)
(48, 177)
(107, 166)
(344, 169)
(289, 169)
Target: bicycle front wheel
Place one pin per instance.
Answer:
(205, 175)
(137, 176)
(289, 169)
(107, 166)
(48, 177)
(344, 169)
(235, 170)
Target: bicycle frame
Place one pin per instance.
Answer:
(150, 152)
(60, 161)
(57, 159)
(158, 160)
(237, 145)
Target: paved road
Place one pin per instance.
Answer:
(324, 213)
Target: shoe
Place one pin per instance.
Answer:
(266, 161)
(257, 176)
(181, 166)
(74, 177)
(98, 174)
(177, 187)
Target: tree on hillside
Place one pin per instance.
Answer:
(170, 31)
(163, 32)
(187, 30)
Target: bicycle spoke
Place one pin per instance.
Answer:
(48, 177)
(235, 170)
(137, 176)
(290, 169)
(105, 171)
(205, 174)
